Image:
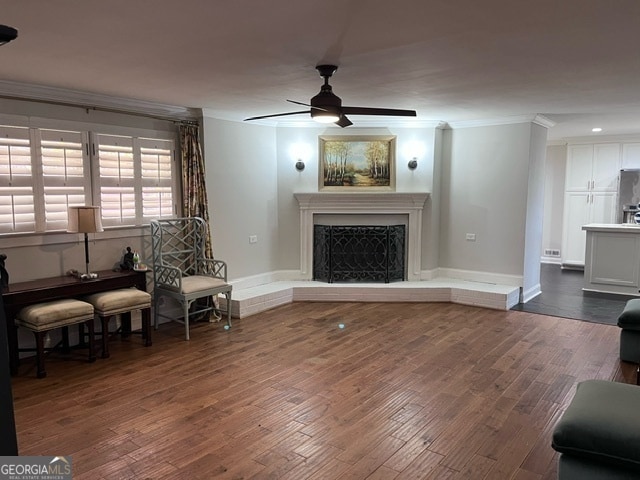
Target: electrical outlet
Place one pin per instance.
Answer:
(471, 237)
(253, 239)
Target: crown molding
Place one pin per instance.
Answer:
(544, 121)
(74, 98)
(509, 120)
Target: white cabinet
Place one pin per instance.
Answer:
(593, 167)
(590, 195)
(606, 167)
(612, 259)
(579, 168)
(630, 156)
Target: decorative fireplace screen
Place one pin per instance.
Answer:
(358, 253)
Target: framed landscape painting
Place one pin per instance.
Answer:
(365, 162)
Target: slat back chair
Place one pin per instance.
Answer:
(182, 272)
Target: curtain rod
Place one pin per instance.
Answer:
(195, 123)
(101, 109)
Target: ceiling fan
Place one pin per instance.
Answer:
(326, 107)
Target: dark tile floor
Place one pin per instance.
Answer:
(562, 296)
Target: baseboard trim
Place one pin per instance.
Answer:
(531, 293)
(482, 277)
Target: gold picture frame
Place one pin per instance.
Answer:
(360, 163)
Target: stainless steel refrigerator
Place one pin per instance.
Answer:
(628, 195)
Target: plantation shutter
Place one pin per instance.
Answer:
(17, 212)
(44, 171)
(156, 158)
(65, 178)
(117, 180)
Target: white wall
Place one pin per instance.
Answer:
(56, 254)
(241, 176)
(535, 212)
(294, 143)
(554, 174)
(477, 178)
(485, 182)
(480, 180)
(419, 142)
(251, 181)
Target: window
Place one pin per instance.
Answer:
(63, 175)
(44, 171)
(156, 159)
(17, 212)
(135, 178)
(117, 180)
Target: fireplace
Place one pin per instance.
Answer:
(386, 207)
(358, 253)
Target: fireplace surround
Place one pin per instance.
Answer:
(363, 205)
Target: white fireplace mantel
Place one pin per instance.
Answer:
(378, 203)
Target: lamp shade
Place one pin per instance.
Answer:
(84, 220)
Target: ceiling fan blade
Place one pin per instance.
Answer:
(298, 103)
(392, 112)
(344, 121)
(307, 105)
(276, 115)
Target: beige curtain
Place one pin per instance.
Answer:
(194, 191)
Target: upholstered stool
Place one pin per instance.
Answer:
(41, 318)
(122, 302)
(599, 433)
(629, 322)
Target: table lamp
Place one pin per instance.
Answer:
(85, 220)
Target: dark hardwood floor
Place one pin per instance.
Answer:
(402, 391)
(562, 296)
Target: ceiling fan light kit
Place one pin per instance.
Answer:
(7, 34)
(326, 107)
(324, 117)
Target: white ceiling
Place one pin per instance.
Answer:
(574, 61)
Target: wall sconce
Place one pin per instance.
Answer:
(413, 163)
(300, 152)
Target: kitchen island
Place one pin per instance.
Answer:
(612, 258)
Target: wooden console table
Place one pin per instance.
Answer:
(18, 295)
